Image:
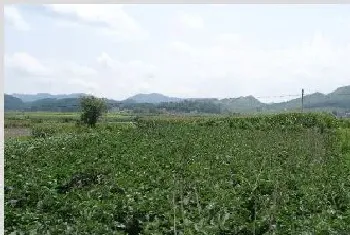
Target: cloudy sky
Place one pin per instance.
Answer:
(210, 50)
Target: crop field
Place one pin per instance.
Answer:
(25, 124)
(277, 174)
(27, 119)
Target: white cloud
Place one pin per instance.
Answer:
(133, 66)
(77, 70)
(53, 76)
(213, 56)
(181, 47)
(128, 76)
(90, 87)
(13, 16)
(191, 21)
(26, 64)
(109, 19)
(237, 68)
(106, 61)
(64, 23)
(230, 38)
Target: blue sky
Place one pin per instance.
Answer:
(179, 50)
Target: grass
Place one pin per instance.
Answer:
(40, 117)
(182, 176)
(39, 124)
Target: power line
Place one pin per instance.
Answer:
(277, 96)
(296, 95)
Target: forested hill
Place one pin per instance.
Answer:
(153, 98)
(339, 101)
(40, 96)
(12, 103)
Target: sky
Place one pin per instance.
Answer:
(179, 50)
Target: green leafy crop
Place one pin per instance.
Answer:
(284, 174)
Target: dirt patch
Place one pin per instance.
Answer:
(16, 132)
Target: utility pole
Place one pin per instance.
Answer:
(302, 100)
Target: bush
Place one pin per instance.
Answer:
(92, 109)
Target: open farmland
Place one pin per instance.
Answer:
(280, 174)
(38, 124)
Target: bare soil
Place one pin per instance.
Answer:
(16, 132)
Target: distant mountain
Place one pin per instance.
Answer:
(338, 100)
(12, 103)
(49, 104)
(345, 90)
(241, 104)
(39, 96)
(153, 98)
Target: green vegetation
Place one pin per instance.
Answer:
(268, 174)
(337, 102)
(27, 119)
(92, 109)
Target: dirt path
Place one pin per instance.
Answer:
(16, 132)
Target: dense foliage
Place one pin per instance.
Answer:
(285, 174)
(92, 109)
(295, 121)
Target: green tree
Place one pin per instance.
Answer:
(91, 109)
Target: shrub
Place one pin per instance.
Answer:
(92, 109)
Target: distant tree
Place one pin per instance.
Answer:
(92, 109)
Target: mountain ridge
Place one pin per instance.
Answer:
(159, 98)
(339, 99)
(152, 98)
(39, 96)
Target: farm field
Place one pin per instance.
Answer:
(15, 119)
(277, 174)
(24, 124)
